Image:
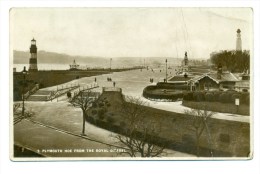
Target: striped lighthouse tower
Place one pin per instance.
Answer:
(33, 59)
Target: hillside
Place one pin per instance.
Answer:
(44, 57)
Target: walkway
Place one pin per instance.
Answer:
(57, 116)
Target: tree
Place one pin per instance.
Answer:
(138, 133)
(234, 61)
(83, 100)
(199, 120)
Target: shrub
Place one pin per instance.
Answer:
(94, 111)
(245, 98)
(94, 104)
(110, 120)
(230, 94)
(209, 97)
(101, 112)
(244, 90)
(101, 116)
(216, 96)
(100, 104)
(108, 104)
(233, 97)
(186, 138)
(199, 96)
(188, 96)
(122, 124)
(195, 94)
(223, 98)
(90, 119)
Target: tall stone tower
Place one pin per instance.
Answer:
(239, 42)
(186, 61)
(33, 59)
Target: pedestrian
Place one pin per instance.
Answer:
(114, 83)
(69, 94)
(95, 79)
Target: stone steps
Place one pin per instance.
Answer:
(42, 92)
(37, 98)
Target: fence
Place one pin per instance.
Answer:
(112, 89)
(32, 91)
(67, 88)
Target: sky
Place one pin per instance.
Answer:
(131, 32)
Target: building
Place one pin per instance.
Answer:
(74, 66)
(243, 85)
(33, 58)
(214, 81)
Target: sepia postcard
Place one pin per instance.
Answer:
(131, 83)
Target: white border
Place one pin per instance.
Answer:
(7, 166)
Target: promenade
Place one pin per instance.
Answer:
(58, 127)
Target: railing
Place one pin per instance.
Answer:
(68, 88)
(32, 91)
(115, 89)
(61, 91)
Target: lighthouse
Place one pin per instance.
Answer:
(238, 42)
(33, 58)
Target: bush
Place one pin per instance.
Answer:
(244, 90)
(199, 96)
(90, 119)
(122, 124)
(94, 111)
(101, 112)
(110, 120)
(233, 97)
(100, 104)
(187, 139)
(195, 94)
(245, 98)
(188, 96)
(216, 96)
(209, 97)
(224, 98)
(101, 116)
(94, 104)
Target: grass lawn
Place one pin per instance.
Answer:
(219, 107)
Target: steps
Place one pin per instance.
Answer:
(40, 95)
(37, 98)
(42, 92)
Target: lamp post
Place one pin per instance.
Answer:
(24, 72)
(166, 71)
